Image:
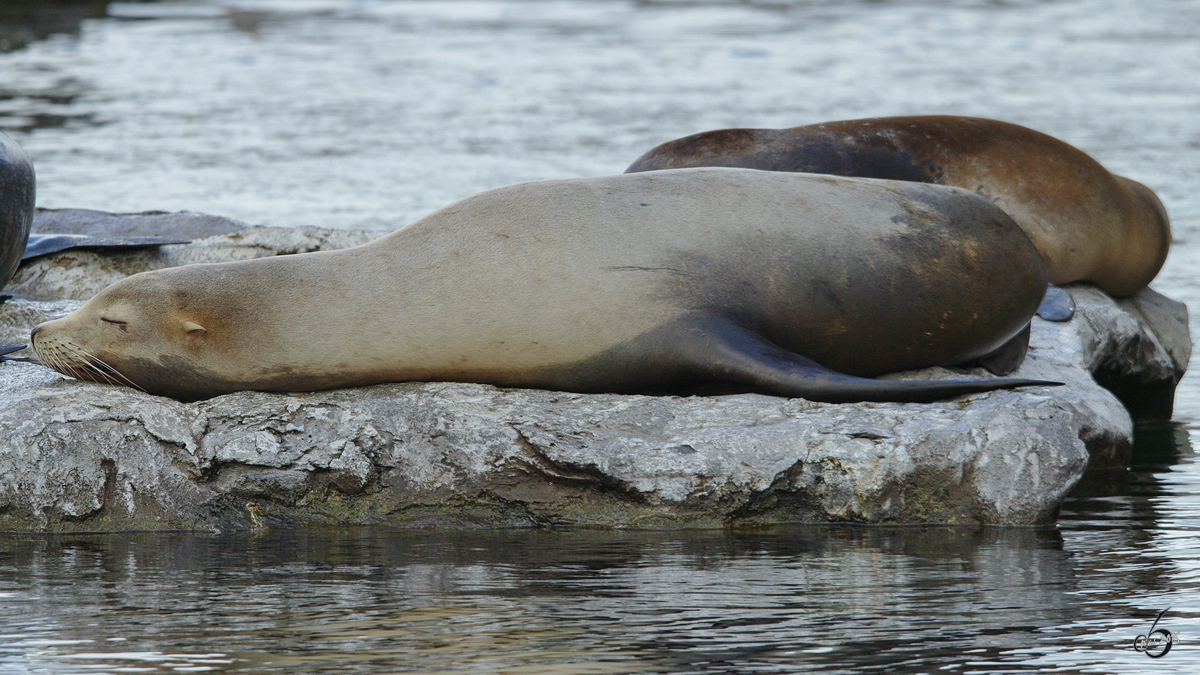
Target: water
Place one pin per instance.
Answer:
(814, 598)
(369, 114)
(843, 599)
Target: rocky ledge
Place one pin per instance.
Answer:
(77, 456)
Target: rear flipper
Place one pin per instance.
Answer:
(723, 351)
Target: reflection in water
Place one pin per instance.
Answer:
(1128, 497)
(42, 103)
(26, 21)
(29, 109)
(699, 602)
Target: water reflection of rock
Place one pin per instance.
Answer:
(1119, 494)
(46, 100)
(43, 106)
(682, 602)
(25, 21)
(1135, 520)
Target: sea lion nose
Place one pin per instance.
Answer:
(36, 329)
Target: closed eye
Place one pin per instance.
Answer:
(118, 324)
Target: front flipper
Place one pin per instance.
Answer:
(1057, 304)
(722, 351)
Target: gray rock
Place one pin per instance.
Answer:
(77, 456)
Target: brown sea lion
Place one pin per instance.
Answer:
(654, 282)
(1088, 224)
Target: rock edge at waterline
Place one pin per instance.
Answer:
(76, 456)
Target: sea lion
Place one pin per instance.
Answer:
(1088, 224)
(654, 283)
(17, 194)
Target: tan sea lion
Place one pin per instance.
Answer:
(1088, 224)
(654, 282)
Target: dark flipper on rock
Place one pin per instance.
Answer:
(732, 353)
(1057, 305)
(5, 350)
(1009, 356)
(45, 244)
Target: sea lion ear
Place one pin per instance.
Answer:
(194, 327)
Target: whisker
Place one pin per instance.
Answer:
(53, 358)
(106, 370)
(97, 374)
(113, 375)
(69, 358)
(75, 363)
(94, 373)
(61, 364)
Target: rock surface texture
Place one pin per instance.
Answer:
(77, 456)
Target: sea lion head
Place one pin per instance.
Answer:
(153, 333)
(1147, 234)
